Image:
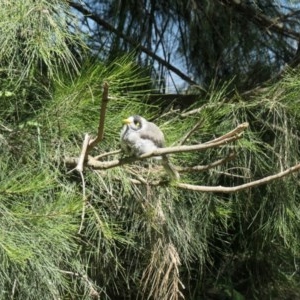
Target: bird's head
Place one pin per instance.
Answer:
(134, 122)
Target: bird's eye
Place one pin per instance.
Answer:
(136, 123)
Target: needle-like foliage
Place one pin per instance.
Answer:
(27, 48)
(121, 233)
(138, 240)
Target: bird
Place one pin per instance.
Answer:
(139, 136)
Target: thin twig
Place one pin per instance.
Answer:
(83, 153)
(167, 113)
(83, 203)
(240, 128)
(223, 189)
(102, 118)
(232, 175)
(6, 128)
(79, 168)
(88, 144)
(234, 189)
(12, 296)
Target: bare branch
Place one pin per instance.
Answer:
(222, 189)
(6, 128)
(102, 118)
(88, 144)
(226, 138)
(234, 189)
(97, 165)
(12, 296)
(240, 128)
(84, 201)
(83, 153)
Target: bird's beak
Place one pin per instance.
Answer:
(126, 121)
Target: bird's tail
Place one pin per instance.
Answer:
(170, 169)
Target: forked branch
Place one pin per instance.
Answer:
(100, 133)
(89, 143)
(234, 189)
(93, 162)
(218, 142)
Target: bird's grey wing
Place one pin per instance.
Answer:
(153, 133)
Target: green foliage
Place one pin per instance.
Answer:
(27, 48)
(38, 226)
(135, 240)
(37, 45)
(67, 237)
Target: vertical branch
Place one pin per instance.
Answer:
(89, 143)
(83, 153)
(102, 118)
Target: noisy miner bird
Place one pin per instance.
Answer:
(139, 136)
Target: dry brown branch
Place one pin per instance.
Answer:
(239, 129)
(102, 118)
(89, 143)
(223, 140)
(97, 165)
(83, 153)
(234, 189)
(222, 189)
(229, 137)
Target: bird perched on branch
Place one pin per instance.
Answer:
(139, 136)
